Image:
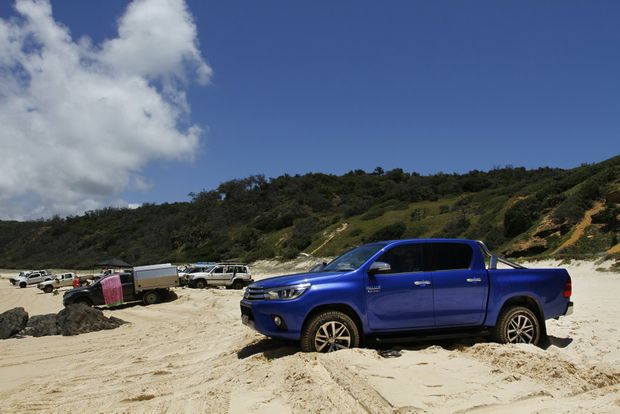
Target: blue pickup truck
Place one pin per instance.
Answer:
(408, 289)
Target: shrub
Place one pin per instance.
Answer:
(456, 226)
(390, 232)
(355, 232)
(373, 213)
(521, 216)
(418, 214)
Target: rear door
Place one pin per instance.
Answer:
(460, 286)
(128, 287)
(403, 298)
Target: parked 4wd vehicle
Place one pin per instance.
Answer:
(408, 289)
(148, 284)
(231, 275)
(61, 280)
(33, 278)
(13, 279)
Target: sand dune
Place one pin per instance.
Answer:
(193, 355)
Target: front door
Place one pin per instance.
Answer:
(403, 298)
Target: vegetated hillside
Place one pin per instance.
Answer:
(519, 212)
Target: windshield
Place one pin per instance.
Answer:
(200, 269)
(353, 259)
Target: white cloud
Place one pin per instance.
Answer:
(79, 121)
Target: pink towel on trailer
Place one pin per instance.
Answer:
(112, 290)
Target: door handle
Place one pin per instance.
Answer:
(422, 282)
(473, 280)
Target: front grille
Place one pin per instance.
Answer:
(254, 293)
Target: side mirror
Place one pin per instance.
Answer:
(379, 267)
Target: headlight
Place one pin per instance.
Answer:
(286, 292)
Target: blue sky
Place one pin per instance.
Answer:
(427, 86)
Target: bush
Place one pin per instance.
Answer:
(290, 253)
(418, 214)
(521, 216)
(456, 227)
(373, 213)
(355, 232)
(607, 216)
(444, 208)
(303, 231)
(573, 208)
(391, 232)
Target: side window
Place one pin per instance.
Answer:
(447, 256)
(218, 270)
(404, 259)
(125, 279)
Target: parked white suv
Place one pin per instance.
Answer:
(231, 275)
(33, 278)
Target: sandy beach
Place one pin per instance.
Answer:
(194, 355)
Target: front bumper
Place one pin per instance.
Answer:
(259, 315)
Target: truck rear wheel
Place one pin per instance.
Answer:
(237, 284)
(329, 331)
(518, 325)
(48, 289)
(150, 298)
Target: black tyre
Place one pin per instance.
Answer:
(329, 331)
(518, 325)
(150, 298)
(23, 285)
(85, 301)
(200, 284)
(237, 284)
(48, 289)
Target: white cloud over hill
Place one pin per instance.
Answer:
(79, 121)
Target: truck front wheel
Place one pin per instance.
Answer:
(200, 284)
(48, 289)
(150, 298)
(518, 325)
(23, 285)
(329, 331)
(85, 301)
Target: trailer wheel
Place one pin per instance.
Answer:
(48, 289)
(150, 298)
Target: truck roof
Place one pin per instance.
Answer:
(152, 267)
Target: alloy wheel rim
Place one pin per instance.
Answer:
(332, 336)
(520, 330)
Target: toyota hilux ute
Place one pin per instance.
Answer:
(148, 284)
(408, 289)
